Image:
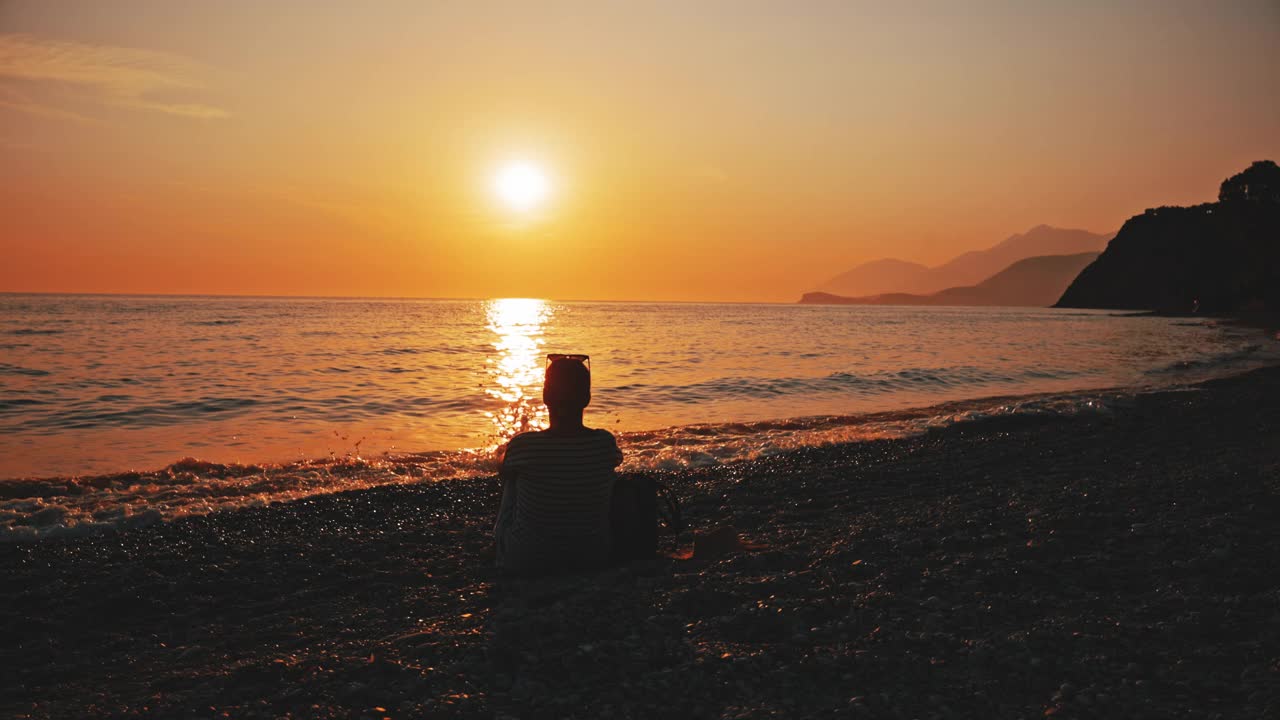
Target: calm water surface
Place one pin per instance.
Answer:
(93, 384)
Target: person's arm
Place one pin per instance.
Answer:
(510, 461)
(506, 473)
(617, 452)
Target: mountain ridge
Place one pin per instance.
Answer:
(1035, 281)
(891, 275)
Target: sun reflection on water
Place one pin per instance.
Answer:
(515, 373)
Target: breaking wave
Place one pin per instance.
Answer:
(70, 507)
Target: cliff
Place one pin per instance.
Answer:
(1035, 281)
(1215, 257)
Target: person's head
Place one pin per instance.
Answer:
(567, 387)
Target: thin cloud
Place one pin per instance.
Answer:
(191, 110)
(14, 100)
(118, 76)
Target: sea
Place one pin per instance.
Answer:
(95, 385)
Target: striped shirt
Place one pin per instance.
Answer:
(558, 515)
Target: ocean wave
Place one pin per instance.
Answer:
(18, 403)
(8, 369)
(89, 383)
(852, 383)
(216, 323)
(36, 331)
(32, 510)
(106, 410)
(1220, 361)
(700, 445)
(137, 416)
(340, 369)
(437, 350)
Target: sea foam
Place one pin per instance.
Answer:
(32, 510)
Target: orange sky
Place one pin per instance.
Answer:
(698, 151)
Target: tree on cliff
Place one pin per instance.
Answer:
(1259, 183)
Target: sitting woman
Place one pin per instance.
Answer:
(558, 483)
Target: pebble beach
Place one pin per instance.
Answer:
(1115, 564)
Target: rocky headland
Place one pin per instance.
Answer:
(1219, 257)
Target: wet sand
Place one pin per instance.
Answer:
(1102, 565)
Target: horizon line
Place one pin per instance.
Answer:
(387, 297)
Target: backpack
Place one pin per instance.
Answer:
(640, 504)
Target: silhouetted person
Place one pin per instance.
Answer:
(558, 483)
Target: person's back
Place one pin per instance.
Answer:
(563, 486)
(558, 484)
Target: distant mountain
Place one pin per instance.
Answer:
(880, 276)
(1034, 281)
(1215, 257)
(1040, 240)
(898, 276)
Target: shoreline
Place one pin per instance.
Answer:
(104, 503)
(885, 414)
(1102, 565)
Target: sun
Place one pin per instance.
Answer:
(521, 186)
